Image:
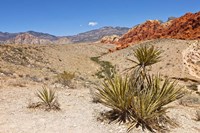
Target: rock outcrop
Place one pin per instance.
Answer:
(185, 27)
(191, 59)
(110, 39)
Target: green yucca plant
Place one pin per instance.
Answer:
(141, 98)
(144, 108)
(145, 56)
(115, 94)
(148, 106)
(48, 98)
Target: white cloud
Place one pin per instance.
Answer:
(92, 23)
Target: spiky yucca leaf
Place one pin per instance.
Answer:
(148, 106)
(145, 56)
(47, 96)
(116, 95)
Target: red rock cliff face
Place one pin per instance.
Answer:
(185, 27)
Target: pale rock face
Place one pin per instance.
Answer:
(191, 59)
(110, 39)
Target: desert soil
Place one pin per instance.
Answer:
(26, 68)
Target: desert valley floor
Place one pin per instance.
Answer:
(26, 68)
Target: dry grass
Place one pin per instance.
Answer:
(65, 78)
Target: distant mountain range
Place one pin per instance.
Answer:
(32, 37)
(95, 35)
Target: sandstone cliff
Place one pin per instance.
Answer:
(185, 27)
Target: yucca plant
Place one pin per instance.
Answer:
(48, 98)
(149, 106)
(116, 95)
(145, 56)
(141, 98)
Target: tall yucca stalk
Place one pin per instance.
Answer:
(145, 56)
(116, 95)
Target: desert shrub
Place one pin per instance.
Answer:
(140, 98)
(65, 78)
(48, 100)
(107, 69)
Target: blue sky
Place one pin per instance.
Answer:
(68, 17)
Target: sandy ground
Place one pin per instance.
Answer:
(18, 84)
(78, 114)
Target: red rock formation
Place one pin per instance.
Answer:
(185, 27)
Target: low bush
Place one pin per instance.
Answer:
(107, 69)
(65, 78)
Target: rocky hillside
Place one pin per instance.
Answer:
(27, 38)
(185, 27)
(32, 37)
(43, 35)
(5, 36)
